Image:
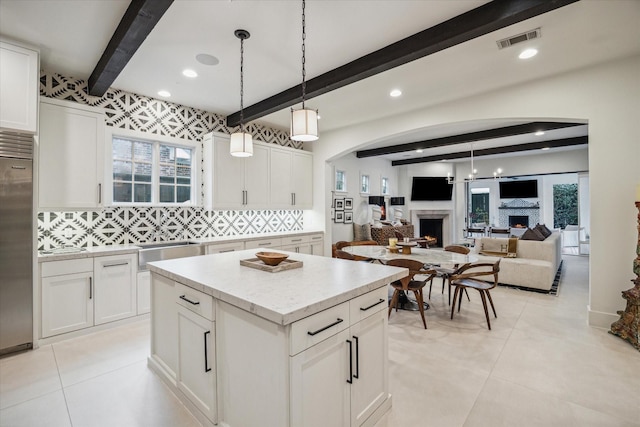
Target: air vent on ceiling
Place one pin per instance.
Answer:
(510, 41)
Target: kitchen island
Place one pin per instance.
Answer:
(243, 347)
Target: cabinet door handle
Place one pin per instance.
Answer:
(296, 240)
(338, 320)
(206, 358)
(183, 297)
(116, 264)
(90, 287)
(100, 193)
(357, 358)
(265, 244)
(350, 380)
(226, 250)
(372, 305)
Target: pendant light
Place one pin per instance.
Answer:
(304, 122)
(241, 141)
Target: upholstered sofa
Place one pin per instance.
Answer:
(535, 265)
(382, 234)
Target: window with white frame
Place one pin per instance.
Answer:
(152, 172)
(341, 181)
(384, 185)
(364, 184)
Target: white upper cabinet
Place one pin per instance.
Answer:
(291, 179)
(19, 88)
(238, 183)
(71, 157)
(273, 178)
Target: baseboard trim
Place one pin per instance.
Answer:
(601, 319)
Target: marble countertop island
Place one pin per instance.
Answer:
(282, 297)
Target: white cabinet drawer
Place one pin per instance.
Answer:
(315, 237)
(318, 327)
(263, 243)
(368, 304)
(70, 266)
(295, 240)
(218, 248)
(195, 301)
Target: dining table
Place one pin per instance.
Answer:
(429, 257)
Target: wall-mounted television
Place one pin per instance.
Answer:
(519, 189)
(431, 188)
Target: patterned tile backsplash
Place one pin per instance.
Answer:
(119, 225)
(133, 225)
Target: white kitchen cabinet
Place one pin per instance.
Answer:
(218, 248)
(291, 179)
(298, 244)
(164, 334)
(317, 244)
(237, 183)
(71, 158)
(269, 243)
(67, 292)
(19, 85)
(115, 287)
(143, 297)
(196, 361)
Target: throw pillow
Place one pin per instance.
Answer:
(361, 232)
(544, 230)
(532, 234)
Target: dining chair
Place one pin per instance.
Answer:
(466, 278)
(345, 255)
(446, 272)
(343, 244)
(408, 283)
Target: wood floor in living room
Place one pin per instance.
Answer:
(540, 365)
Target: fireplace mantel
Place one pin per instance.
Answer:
(445, 215)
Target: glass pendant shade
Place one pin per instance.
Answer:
(304, 125)
(241, 144)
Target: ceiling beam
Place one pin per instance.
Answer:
(482, 135)
(136, 24)
(475, 23)
(555, 143)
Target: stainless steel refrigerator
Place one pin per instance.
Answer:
(16, 242)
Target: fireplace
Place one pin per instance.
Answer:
(445, 219)
(433, 228)
(518, 220)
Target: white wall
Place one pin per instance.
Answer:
(607, 97)
(376, 168)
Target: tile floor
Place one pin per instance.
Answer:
(541, 365)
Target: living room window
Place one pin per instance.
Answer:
(384, 185)
(151, 172)
(364, 184)
(341, 181)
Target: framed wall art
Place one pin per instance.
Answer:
(348, 217)
(348, 203)
(339, 216)
(339, 204)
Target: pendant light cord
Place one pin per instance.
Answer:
(304, 36)
(241, 84)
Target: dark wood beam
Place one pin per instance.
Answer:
(565, 142)
(475, 23)
(136, 24)
(467, 137)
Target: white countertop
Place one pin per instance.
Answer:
(283, 297)
(88, 252)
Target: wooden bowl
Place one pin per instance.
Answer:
(271, 258)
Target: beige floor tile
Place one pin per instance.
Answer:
(89, 356)
(129, 397)
(49, 410)
(504, 404)
(28, 375)
(592, 376)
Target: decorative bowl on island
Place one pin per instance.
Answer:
(271, 258)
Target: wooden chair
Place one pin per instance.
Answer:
(464, 279)
(445, 272)
(343, 244)
(345, 255)
(408, 283)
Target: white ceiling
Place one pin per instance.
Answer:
(71, 36)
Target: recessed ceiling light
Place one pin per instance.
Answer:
(545, 148)
(418, 151)
(528, 53)
(539, 133)
(164, 93)
(395, 93)
(189, 73)
(206, 59)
